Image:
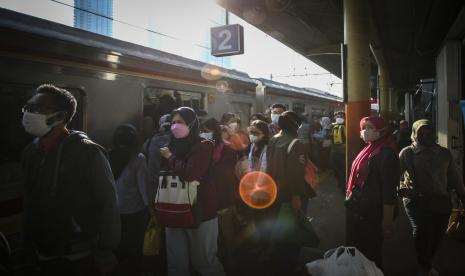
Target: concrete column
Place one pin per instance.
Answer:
(356, 37)
(384, 93)
(449, 89)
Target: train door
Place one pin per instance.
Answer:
(243, 110)
(160, 101)
(13, 97)
(298, 108)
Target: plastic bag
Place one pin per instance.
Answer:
(347, 261)
(152, 238)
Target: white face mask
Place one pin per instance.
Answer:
(275, 117)
(207, 135)
(253, 139)
(36, 124)
(339, 121)
(369, 135)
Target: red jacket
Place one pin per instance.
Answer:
(222, 179)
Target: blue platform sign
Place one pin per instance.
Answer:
(227, 40)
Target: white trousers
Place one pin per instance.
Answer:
(198, 246)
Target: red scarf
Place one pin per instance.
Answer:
(359, 169)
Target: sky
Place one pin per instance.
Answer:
(185, 32)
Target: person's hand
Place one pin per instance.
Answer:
(296, 203)
(165, 152)
(388, 228)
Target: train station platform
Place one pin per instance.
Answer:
(328, 212)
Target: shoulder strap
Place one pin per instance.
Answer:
(291, 144)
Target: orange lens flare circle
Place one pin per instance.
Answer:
(258, 190)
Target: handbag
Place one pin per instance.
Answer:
(311, 174)
(456, 226)
(175, 202)
(356, 201)
(152, 238)
(310, 170)
(294, 227)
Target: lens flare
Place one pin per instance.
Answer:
(258, 190)
(222, 86)
(211, 72)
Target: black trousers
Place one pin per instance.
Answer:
(130, 249)
(365, 233)
(61, 266)
(428, 229)
(338, 163)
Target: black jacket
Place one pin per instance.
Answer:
(70, 204)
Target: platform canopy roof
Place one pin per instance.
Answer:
(409, 32)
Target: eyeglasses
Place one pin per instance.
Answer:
(255, 133)
(35, 108)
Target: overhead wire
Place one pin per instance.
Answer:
(130, 24)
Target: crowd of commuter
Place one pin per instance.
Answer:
(87, 208)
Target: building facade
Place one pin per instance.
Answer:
(94, 16)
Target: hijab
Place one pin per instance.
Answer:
(263, 127)
(359, 169)
(125, 146)
(415, 129)
(181, 146)
(213, 125)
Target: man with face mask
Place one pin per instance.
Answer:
(428, 171)
(338, 150)
(71, 216)
(276, 110)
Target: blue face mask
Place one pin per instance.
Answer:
(275, 117)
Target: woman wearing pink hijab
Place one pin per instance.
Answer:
(371, 190)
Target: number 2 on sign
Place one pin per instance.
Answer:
(226, 36)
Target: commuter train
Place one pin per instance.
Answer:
(118, 82)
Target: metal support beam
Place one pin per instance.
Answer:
(356, 36)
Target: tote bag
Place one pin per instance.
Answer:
(175, 202)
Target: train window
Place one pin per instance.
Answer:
(298, 108)
(14, 138)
